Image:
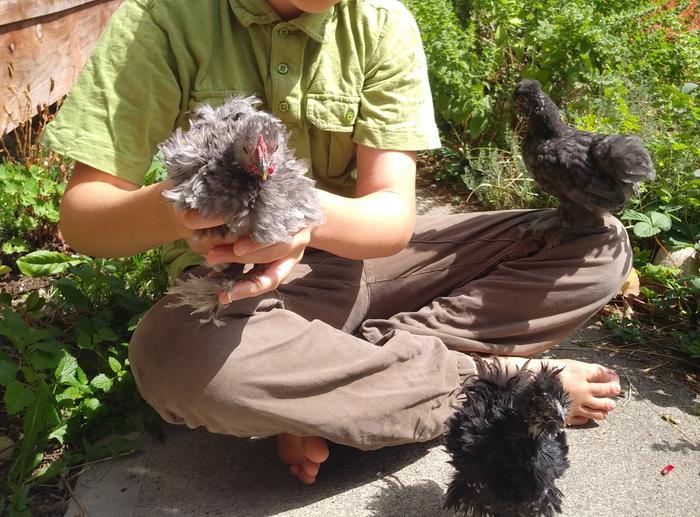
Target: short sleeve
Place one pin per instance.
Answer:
(125, 101)
(396, 108)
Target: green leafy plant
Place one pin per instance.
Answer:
(29, 199)
(64, 366)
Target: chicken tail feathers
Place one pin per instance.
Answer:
(624, 157)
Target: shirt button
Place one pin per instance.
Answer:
(350, 116)
(283, 106)
(283, 32)
(282, 68)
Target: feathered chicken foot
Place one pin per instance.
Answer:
(201, 293)
(552, 226)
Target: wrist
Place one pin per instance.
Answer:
(172, 218)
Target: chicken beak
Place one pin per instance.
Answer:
(561, 411)
(262, 159)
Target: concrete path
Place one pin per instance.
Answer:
(615, 465)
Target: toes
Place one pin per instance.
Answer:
(294, 470)
(290, 448)
(599, 373)
(578, 420)
(310, 468)
(608, 389)
(306, 478)
(315, 449)
(595, 414)
(599, 404)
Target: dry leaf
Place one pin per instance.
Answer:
(631, 285)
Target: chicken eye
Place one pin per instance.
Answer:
(238, 116)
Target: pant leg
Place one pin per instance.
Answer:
(491, 291)
(271, 370)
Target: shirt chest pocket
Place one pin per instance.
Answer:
(331, 124)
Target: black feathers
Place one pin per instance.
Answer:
(591, 174)
(507, 443)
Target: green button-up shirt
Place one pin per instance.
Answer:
(353, 74)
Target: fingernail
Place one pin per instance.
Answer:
(616, 388)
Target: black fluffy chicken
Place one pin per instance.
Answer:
(591, 174)
(234, 161)
(507, 443)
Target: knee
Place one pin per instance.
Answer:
(176, 362)
(612, 256)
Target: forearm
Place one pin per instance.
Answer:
(375, 225)
(104, 220)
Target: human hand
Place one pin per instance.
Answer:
(278, 260)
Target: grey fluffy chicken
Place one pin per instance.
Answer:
(234, 161)
(591, 174)
(507, 443)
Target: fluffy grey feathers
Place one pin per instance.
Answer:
(235, 162)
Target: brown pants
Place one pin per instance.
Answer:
(367, 353)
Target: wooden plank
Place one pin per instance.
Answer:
(40, 58)
(12, 11)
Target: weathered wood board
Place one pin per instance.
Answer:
(43, 46)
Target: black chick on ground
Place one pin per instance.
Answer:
(235, 162)
(507, 443)
(591, 174)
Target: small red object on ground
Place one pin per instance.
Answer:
(667, 469)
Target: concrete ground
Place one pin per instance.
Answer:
(615, 465)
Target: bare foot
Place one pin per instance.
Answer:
(590, 386)
(304, 455)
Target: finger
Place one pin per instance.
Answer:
(246, 245)
(260, 253)
(265, 282)
(194, 221)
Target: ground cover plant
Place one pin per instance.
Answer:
(68, 397)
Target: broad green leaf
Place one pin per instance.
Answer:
(101, 382)
(71, 294)
(114, 364)
(59, 433)
(695, 284)
(91, 403)
(4, 269)
(660, 221)
(46, 263)
(644, 229)
(633, 215)
(8, 372)
(17, 397)
(70, 393)
(42, 360)
(13, 327)
(85, 333)
(81, 376)
(105, 333)
(67, 366)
